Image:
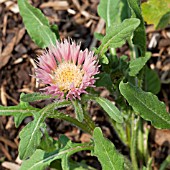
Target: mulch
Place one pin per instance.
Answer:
(77, 19)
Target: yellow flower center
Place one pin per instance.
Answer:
(67, 74)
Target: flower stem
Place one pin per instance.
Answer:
(133, 144)
(89, 121)
(67, 118)
(119, 129)
(140, 141)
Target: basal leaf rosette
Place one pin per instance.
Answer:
(66, 70)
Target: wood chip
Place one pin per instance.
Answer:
(85, 137)
(10, 165)
(162, 136)
(8, 142)
(58, 5)
(25, 90)
(10, 123)
(12, 99)
(19, 60)
(18, 160)
(154, 40)
(12, 6)
(166, 67)
(4, 25)
(3, 95)
(98, 29)
(6, 153)
(2, 1)
(0, 48)
(6, 54)
(77, 5)
(71, 11)
(20, 34)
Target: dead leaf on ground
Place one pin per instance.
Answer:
(6, 54)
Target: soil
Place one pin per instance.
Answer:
(77, 19)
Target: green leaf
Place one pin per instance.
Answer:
(61, 104)
(117, 34)
(137, 64)
(40, 159)
(48, 144)
(106, 153)
(30, 138)
(31, 134)
(113, 11)
(151, 81)
(110, 109)
(154, 10)
(98, 36)
(139, 37)
(164, 21)
(78, 110)
(109, 11)
(80, 166)
(22, 110)
(36, 24)
(54, 28)
(104, 59)
(165, 163)
(147, 105)
(34, 97)
(124, 9)
(104, 80)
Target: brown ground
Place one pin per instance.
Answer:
(78, 20)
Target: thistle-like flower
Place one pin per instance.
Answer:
(66, 70)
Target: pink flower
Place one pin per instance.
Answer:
(66, 70)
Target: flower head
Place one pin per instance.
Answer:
(66, 70)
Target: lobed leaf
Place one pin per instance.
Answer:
(30, 138)
(147, 105)
(31, 134)
(19, 112)
(106, 153)
(40, 159)
(117, 34)
(139, 37)
(36, 24)
(137, 64)
(110, 109)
